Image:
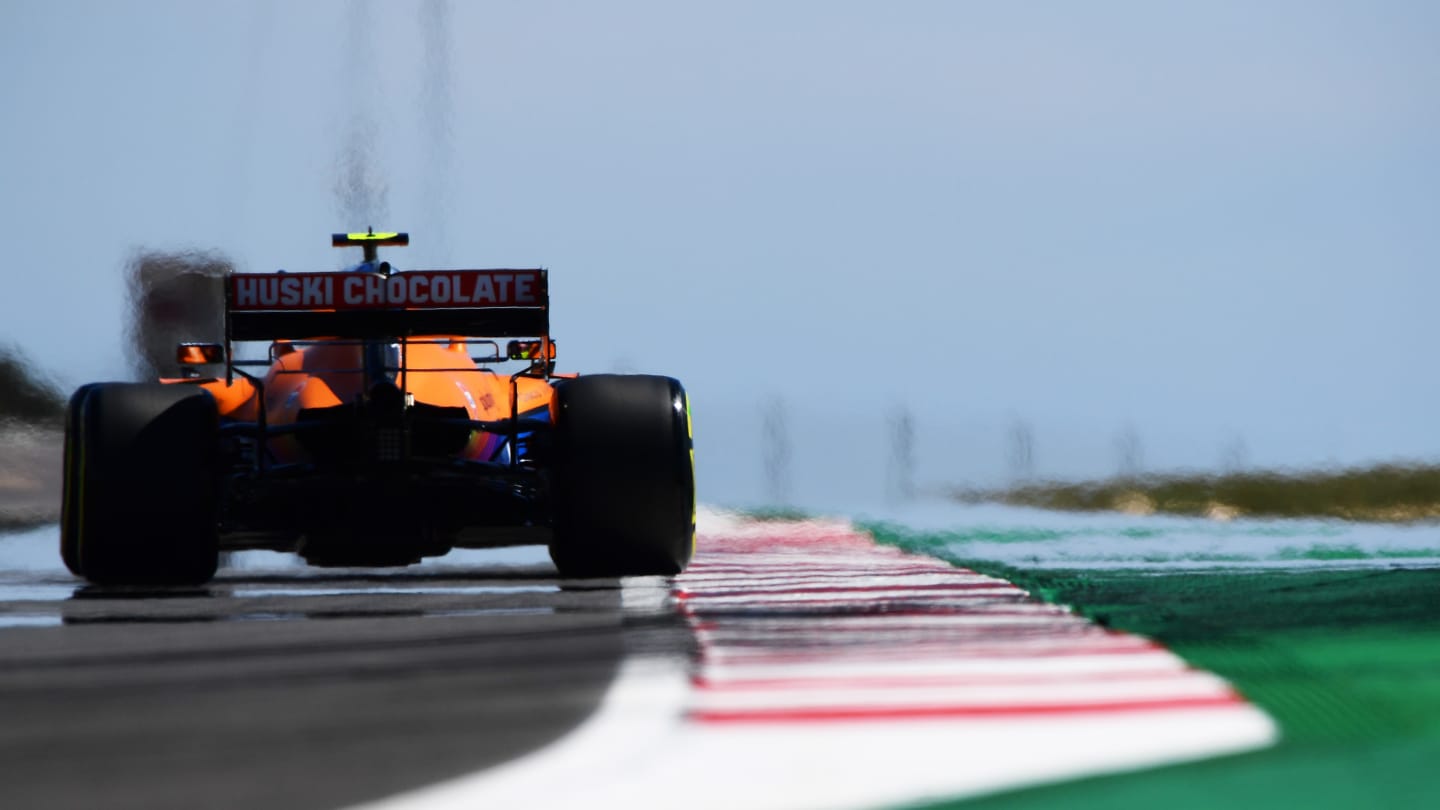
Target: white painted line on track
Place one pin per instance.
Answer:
(638, 717)
(836, 673)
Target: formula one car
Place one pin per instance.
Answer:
(375, 432)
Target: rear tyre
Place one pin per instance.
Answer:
(624, 477)
(69, 514)
(140, 504)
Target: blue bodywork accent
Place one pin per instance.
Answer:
(522, 439)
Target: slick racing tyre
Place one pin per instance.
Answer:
(624, 477)
(140, 499)
(69, 515)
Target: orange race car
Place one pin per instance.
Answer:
(377, 431)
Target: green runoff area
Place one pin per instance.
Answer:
(1345, 659)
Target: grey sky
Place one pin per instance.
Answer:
(1206, 220)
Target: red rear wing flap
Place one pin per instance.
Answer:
(473, 303)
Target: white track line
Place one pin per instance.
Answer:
(835, 673)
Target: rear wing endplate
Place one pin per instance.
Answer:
(469, 303)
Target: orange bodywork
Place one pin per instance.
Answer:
(437, 371)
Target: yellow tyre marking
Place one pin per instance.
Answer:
(694, 498)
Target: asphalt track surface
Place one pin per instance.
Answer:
(286, 686)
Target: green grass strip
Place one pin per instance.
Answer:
(1386, 492)
(1347, 662)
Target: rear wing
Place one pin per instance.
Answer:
(470, 303)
